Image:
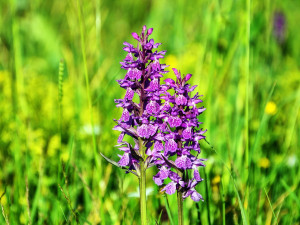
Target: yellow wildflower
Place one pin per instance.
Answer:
(216, 179)
(264, 163)
(172, 61)
(271, 108)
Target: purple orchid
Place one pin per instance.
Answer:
(164, 126)
(279, 26)
(180, 132)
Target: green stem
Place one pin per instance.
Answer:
(180, 207)
(179, 194)
(143, 195)
(142, 182)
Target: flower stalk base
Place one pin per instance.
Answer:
(143, 195)
(180, 207)
(142, 182)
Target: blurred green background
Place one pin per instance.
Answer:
(51, 172)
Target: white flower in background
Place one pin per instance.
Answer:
(292, 160)
(136, 194)
(87, 129)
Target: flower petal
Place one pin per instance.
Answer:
(170, 188)
(124, 161)
(195, 196)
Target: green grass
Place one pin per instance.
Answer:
(55, 116)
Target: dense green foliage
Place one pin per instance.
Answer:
(51, 172)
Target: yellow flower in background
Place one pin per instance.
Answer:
(172, 61)
(264, 163)
(215, 187)
(216, 180)
(271, 108)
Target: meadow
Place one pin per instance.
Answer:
(59, 62)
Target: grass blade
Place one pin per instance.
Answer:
(223, 203)
(271, 206)
(244, 217)
(168, 210)
(245, 222)
(159, 218)
(207, 198)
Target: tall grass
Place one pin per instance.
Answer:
(249, 80)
